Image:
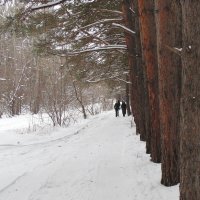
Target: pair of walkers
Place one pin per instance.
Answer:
(117, 107)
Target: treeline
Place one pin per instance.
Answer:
(33, 83)
(35, 80)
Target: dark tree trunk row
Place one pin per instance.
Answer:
(138, 91)
(165, 91)
(162, 77)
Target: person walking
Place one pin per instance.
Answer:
(123, 106)
(117, 107)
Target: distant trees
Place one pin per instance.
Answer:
(32, 74)
(14, 73)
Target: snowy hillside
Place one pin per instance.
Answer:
(98, 159)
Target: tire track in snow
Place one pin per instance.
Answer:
(12, 183)
(64, 138)
(46, 142)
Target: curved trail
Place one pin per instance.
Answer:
(104, 161)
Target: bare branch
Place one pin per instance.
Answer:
(119, 79)
(132, 10)
(19, 82)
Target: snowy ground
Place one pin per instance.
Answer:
(98, 159)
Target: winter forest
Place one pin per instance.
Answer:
(65, 60)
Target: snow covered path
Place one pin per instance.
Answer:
(103, 161)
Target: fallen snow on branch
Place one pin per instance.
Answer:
(178, 49)
(124, 27)
(50, 4)
(101, 22)
(106, 47)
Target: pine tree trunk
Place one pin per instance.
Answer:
(190, 103)
(140, 75)
(168, 18)
(149, 48)
(37, 88)
(130, 41)
(128, 97)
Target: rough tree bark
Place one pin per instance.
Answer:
(128, 96)
(37, 89)
(149, 48)
(140, 74)
(190, 103)
(169, 35)
(79, 98)
(130, 41)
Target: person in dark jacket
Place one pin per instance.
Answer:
(123, 106)
(117, 107)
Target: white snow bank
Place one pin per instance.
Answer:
(31, 129)
(104, 160)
